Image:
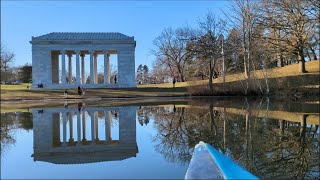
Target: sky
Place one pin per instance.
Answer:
(20, 20)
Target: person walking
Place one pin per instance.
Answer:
(83, 91)
(174, 82)
(79, 91)
(115, 79)
(66, 93)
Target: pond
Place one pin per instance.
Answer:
(156, 140)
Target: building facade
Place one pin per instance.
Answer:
(51, 51)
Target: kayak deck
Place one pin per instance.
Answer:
(202, 166)
(209, 163)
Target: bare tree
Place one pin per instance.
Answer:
(244, 17)
(171, 50)
(207, 48)
(7, 57)
(297, 22)
(232, 51)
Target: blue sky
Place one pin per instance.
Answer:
(142, 19)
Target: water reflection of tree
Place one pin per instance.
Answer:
(10, 122)
(172, 137)
(269, 148)
(287, 151)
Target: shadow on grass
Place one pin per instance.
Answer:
(289, 85)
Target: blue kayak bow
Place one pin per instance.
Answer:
(209, 163)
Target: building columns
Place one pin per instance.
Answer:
(95, 69)
(126, 68)
(64, 120)
(77, 68)
(70, 68)
(82, 69)
(91, 68)
(78, 127)
(107, 119)
(106, 68)
(55, 67)
(63, 72)
(70, 117)
(96, 127)
(83, 126)
(92, 126)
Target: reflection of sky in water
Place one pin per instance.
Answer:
(240, 141)
(148, 163)
(101, 127)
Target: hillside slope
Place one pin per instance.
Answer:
(313, 68)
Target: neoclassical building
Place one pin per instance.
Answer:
(51, 51)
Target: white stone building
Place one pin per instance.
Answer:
(49, 53)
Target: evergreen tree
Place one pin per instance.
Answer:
(139, 78)
(146, 75)
(25, 73)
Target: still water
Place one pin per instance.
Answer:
(156, 141)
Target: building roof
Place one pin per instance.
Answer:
(83, 36)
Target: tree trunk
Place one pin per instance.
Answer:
(223, 70)
(210, 76)
(280, 60)
(308, 54)
(246, 75)
(244, 46)
(181, 77)
(313, 53)
(303, 122)
(212, 124)
(180, 73)
(302, 62)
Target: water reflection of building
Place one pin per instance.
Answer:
(86, 147)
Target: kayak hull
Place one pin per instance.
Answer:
(209, 163)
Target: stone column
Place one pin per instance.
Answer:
(95, 69)
(127, 125)
(64, 120)
(55, 67)
(96, 128)
(84, 127)
(106, 68)
(91, 68)
(56, 129)
(78, 127)
(63, 72)
(92, 127)
(82, 69)
(70, 127)
(70, 68)
(107, 119)
(126, 68)
(77, 68)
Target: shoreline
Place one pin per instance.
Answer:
(314, 97)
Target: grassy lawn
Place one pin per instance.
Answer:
(307, 80)
(313, 68)
(11, 92)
